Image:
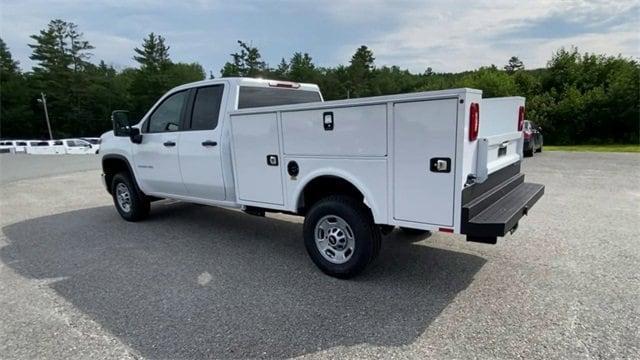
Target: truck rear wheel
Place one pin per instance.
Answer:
(340, 236)
(131, 204)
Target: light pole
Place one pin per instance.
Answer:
(43, 101)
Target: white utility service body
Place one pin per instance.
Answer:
(382, 145)
(441, 160)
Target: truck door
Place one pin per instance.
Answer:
(424, 160)
(156, 158)
(199, 147)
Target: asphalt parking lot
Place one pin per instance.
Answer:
(192, 281)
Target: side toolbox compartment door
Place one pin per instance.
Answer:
(255, 146)
(424, 161)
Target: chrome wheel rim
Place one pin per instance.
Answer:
(123, 197)
(334, 239)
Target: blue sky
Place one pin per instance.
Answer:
(445, 35)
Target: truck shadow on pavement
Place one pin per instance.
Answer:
(194, 281)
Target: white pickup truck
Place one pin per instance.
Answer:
(430, 161)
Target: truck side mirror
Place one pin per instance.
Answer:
(135, 136)
(122, 126)
(120, 122)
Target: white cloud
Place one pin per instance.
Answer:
(459, 35)
(449, 35)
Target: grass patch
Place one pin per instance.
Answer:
(595, 148)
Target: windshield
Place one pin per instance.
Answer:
(251, 96)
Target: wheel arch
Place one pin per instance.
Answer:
(332, 182)
(113, 164)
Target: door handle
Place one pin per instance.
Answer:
(209, 143)
(169, 143)
(440, 165)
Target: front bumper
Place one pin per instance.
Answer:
(494, 207)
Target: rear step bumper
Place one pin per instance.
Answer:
(493, 208)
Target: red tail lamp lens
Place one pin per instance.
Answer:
(521, 118)
(474, 121)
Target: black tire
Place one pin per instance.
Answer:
(528, 153)
(139, 205)
(413, 232)
(365, 234)
(540, 148)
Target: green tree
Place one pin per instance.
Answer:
(154, 54)
(8, 66)
(61, 56)
(514, 65)
(596, 97)
(361, 72)
(301, 68)
(248, 62)
(16, 115)
(491, 81)
(181, 73)
(157, 74)
(282, 71)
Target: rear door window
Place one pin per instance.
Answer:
(206, 107)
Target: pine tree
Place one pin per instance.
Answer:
(16, 117)
(8, 66)
(247, 62)
(62, 58)
(282, 71)
(514, 65)
(301, 68)
(361, 72)
(154, 54)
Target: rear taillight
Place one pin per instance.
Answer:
(520, 118)
(474, 121)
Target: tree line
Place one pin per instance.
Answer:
(578, 98)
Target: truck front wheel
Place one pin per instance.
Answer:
(131, 204)
(340, 236)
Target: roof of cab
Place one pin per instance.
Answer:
(246, 81)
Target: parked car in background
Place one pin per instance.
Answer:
(92, 140)
(45, 147)
(58, 147)
(18, 146)
(7, 147)
(95, 143)
(78, 146)
(532, 138)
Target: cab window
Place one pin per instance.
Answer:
(251, 96)
(206, 107)
(166, 117)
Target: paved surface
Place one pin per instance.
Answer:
(22, 166)
(78, 282)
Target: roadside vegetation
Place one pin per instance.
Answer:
(579, 98)
(595, 148)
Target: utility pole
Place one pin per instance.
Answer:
(43, 101)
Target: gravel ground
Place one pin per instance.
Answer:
(192, 281)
